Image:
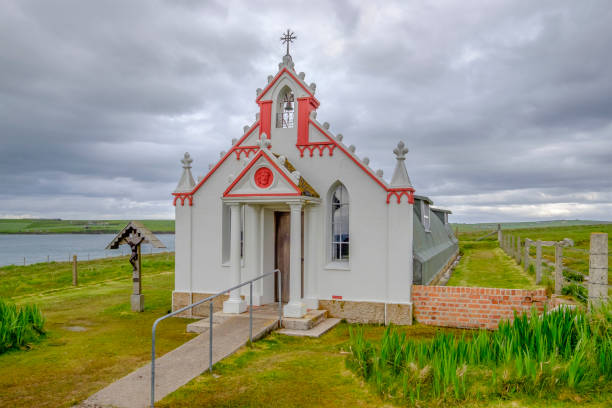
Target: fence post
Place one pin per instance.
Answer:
(75, 276)
(526, 255)
(499, 234)
(558, 268)
(538, 266)
(517, 254)
(598, 269)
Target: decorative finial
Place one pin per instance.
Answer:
(287, 38)
(400, 151)
(187, 160)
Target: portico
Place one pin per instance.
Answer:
(254, 242)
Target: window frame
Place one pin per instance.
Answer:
(334, 244)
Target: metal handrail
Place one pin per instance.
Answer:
(210, 318)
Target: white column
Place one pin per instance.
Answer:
(252, 251)
(311, 249)
(295, 307)
(235, 304)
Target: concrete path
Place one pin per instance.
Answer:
(179, 366)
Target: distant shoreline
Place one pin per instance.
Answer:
(75, 233)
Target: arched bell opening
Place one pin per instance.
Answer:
(285, 109)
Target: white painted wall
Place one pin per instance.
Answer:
(374, 273)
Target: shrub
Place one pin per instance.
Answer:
(19, 326)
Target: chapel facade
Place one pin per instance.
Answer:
(290, 194)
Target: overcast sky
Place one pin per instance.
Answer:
(506, 106)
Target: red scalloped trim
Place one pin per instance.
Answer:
(320, 146)
(247, 150)
(182, 197)
(399, 192)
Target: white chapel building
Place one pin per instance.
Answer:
(290, 194)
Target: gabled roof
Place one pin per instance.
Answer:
(135, 227)
(291, 74)
(287, 182)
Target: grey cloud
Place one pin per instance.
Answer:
(505, 106)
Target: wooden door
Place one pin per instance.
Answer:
(282, 238)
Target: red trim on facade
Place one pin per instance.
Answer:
(321, 146)
(237, 145)
(265, 118)
(247, 150)
(336, 297)
(299, 82)
(265, 195)
(399, 192)
(182, 197)
(305, 106)
(248, 167)
(339, 146)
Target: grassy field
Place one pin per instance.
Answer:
(56, 226)
(484, 264)
(489, 226)
(92, 336)
(282, 371)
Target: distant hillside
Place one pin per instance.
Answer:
(57, 226)
(488, 226)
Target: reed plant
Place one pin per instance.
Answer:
(19, 326)
(531, 355)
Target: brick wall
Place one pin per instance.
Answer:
(454, 306)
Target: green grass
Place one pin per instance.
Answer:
(92, 336)
(565, 353)
(484, 264)
(489, 226)
(57, 226)
(282, 371)
(16, 281)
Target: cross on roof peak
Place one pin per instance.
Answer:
(287, 38)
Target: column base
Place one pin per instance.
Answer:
(294, 309)
(234, 306)
(137, 302)
(311, 303)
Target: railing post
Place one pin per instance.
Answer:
(598, 269)
(251, 314)
(538, 261)
(153, 367)
(210, 329)
(558, 268)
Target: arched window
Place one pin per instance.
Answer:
(285, 109)
(340, 224)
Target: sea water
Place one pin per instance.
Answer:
(37, 248)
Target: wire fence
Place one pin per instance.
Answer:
(582, 273)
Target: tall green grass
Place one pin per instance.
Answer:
(533, 355)
(19, 326)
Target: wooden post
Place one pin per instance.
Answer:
(558, 268)
(538, 266)
(75, 276)
(526, 255)
(499, 234)
(598, 269)
(517, 254)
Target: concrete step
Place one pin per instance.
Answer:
(310, 320)
(316, 331)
